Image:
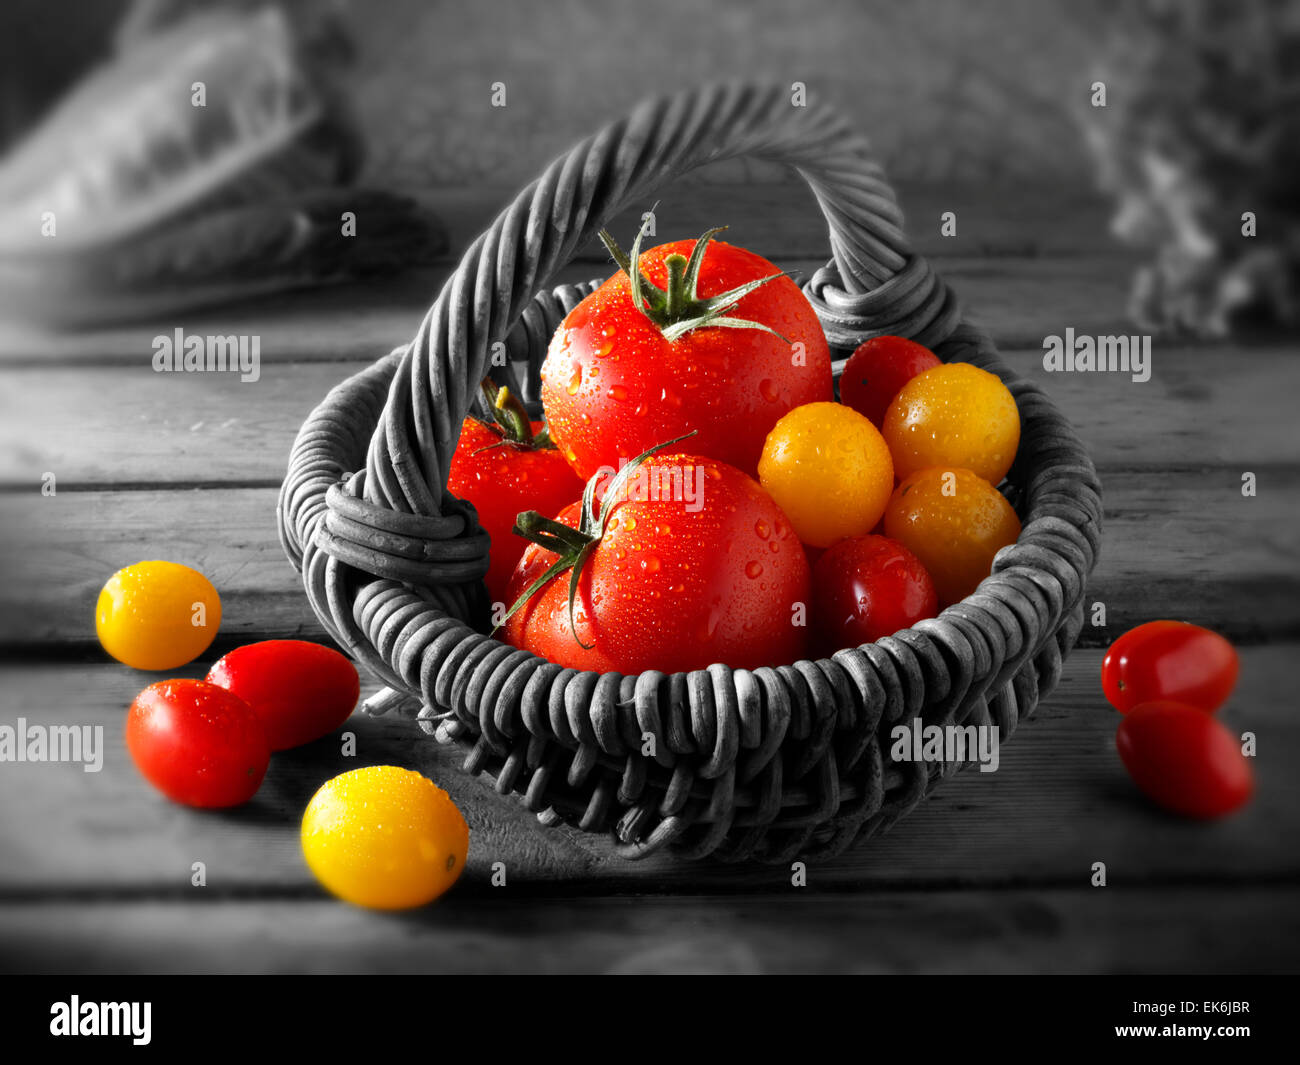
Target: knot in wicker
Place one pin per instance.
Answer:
(785, 760)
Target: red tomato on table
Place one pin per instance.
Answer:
(300, 691)
(1184, 759)
(865, 588)
(877, 371)
(502, 479)
(673, 584)
(619, 379)
(1169, 660)
(197, 743)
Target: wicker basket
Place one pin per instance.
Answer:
(766, 764)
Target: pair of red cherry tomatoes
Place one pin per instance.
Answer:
(1168, 678)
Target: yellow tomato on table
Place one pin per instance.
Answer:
(157, 615)
(384, 837)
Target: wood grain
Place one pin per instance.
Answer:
(1058, 802)
(1046, 283)
(1177, 543)
(89, 428)
(990, 874)
(1043, 931)
(1018, 300)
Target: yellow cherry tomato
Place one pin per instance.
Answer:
(157, 615)
(828, 468)
(953, 521)
(954, 415)
(385, 838)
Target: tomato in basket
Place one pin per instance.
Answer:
(702, 336)
(503, 469)
(683, 562)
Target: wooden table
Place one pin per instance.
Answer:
(992, 873)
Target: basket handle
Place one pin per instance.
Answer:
(558, 213)
(394, 518)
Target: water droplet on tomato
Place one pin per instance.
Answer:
(710, 624)
(604, 350)
(575, 382)
(768, 390)
(754, 570)
(617, 393)
(761, 528)
(650, 564)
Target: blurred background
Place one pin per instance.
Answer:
(1197, 124)
(938, 78)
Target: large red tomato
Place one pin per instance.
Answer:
(503, 477)
(619, 379)
(687, 564)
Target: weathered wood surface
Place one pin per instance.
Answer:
(1054, 930)
(1204, 406)
(1050, 229)
(1180, 543)
(991, 874)
(1058, 802)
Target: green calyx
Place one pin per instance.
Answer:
(677, 308)
(574, 546)
(511, 420)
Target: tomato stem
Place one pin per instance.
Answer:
(575, 546)
(511, 420)
(677, 309)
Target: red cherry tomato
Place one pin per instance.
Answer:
(867, 587)
(877, 371)
(301, 691)
(1169, 660)
(501, 483)
(197, 743)
(1184, 759)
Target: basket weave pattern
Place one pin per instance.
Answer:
(767, 764)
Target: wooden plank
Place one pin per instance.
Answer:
(111, 425)
(1112, 930)
(1032, 224)
(1019, 300)
(1177, 543)
(1058, 802)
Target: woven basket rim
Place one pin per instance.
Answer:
(405, 612)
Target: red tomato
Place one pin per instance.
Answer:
(501, 483)
(676, 582)
(301, 691)
(1169, 660)
(614, 384)
(197, 743)
(877, 371)
(867, 587)
(1184, 759)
